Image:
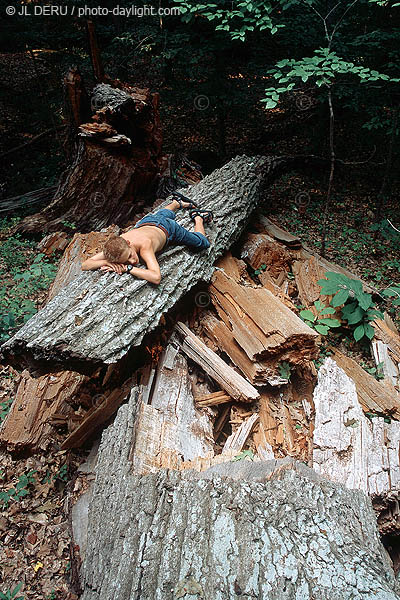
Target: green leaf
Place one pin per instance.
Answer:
(340, 298)
(322, 329)
(365, 300)
(356, 316)
(359, 332)
(330, 322)
(369, 331)
(328, 311)
(307, 314)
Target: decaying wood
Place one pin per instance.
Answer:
(41, 196)
(212, 399)
(255, 522)
(257, 372)
(54, 242)
(261, 325)
(234, 384)
(28, 426)
(278, 233)
(168, 428)
(387, 333)
(106, 406)
(307, 273)
(349, 448)
(104, 185)
(261, 249)
(99, 316)
(380, 352)
(374, 396)
(237, 440)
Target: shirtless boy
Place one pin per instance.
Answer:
(149, 236)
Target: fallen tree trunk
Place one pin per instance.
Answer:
(254, 522)
(116, 160)
(42, 196)
(99, 316)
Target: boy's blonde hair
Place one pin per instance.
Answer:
(114, 248)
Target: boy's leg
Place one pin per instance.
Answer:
(196, 240)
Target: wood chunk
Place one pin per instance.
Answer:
(237, 440)
(380, 352)
(261, 325)
(328, 266)
(53, 242)
(385, 333)
(307, 273)
(279, 234)
(221, 421)
(234, 268)
(97, 416)
(374, 396)
(349, 448)
(168, 427)
(212, 399)
(259, 249)
(257, 372)
(255, 521)
(268, 427)
(234, 384)
(28, 424)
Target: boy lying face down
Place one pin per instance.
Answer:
(150, 235)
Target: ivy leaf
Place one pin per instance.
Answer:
(330, 322)
(369, 331)
(365, 300)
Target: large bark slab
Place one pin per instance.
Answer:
(374, 396)
(349, 448)
(99, 316)
(271, 530)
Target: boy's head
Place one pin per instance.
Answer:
(118, 250)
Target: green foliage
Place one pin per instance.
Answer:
(377, 371)
(358, 309)
(323, 354)
(5, 408)
(320, 322)
(393, 291)
(260, 269)
(323, 68)
(11, 595)
(18, 285)
(20, 491)
(68, 224)
(285, 370)
(62, 474)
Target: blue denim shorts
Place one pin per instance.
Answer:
(176, 234)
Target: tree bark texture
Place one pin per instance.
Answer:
(269, 530)
(99, 316)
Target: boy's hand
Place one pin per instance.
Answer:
(116, 267)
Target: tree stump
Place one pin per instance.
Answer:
(271, 529)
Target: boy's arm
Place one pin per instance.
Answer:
(97, 261)
(152, 273)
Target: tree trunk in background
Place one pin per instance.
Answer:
(267, 529)
(99, 316)
(117, 158)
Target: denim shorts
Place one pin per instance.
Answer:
(176, 234)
